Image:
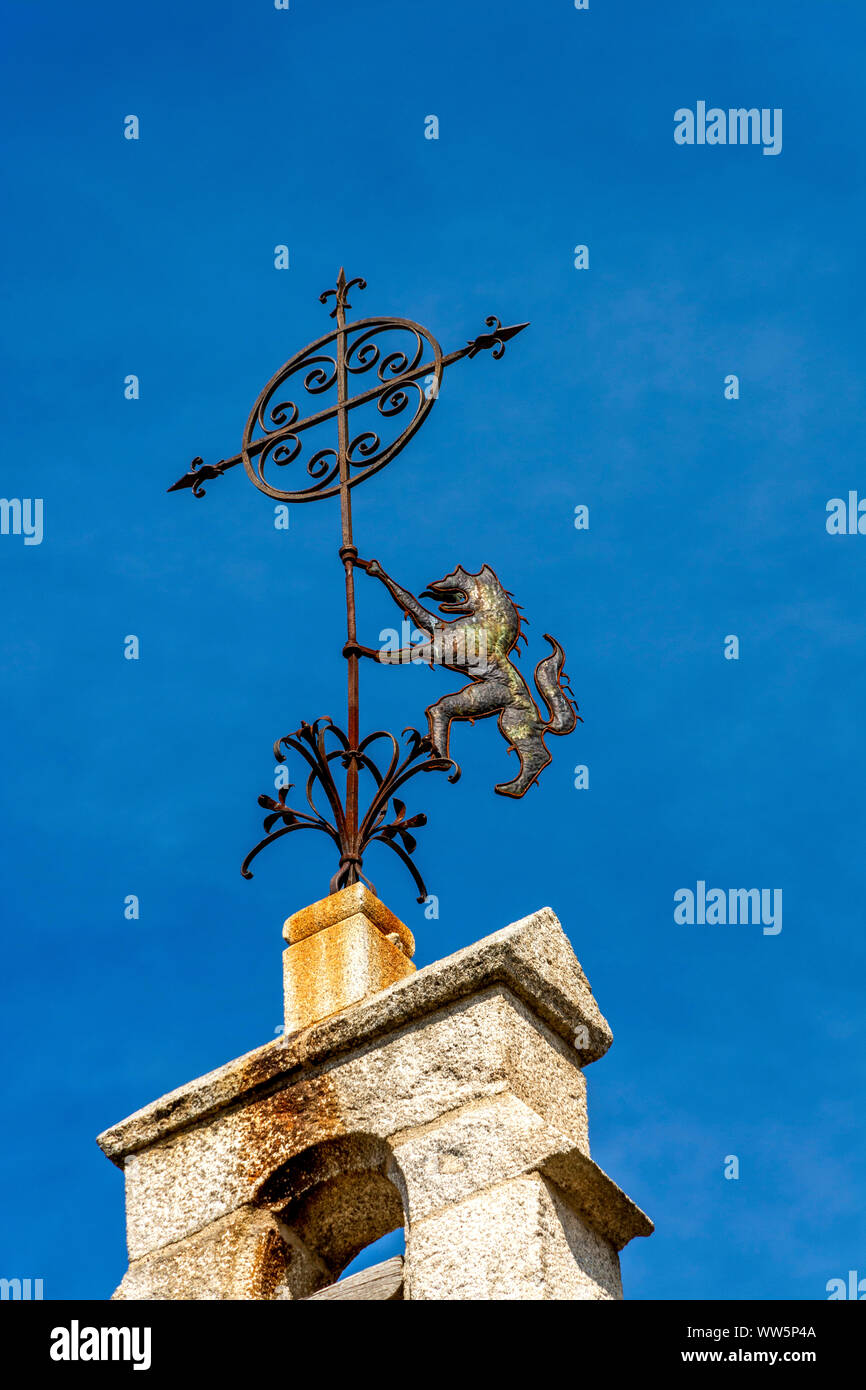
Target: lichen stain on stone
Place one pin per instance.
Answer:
(280, 1126)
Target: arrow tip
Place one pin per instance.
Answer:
(199, 473)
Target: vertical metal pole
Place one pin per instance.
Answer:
(348, 554)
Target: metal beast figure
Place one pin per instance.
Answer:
(479, 642)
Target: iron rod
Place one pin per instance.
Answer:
(348, 554)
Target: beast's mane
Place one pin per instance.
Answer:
(492, 585)
(521, 621)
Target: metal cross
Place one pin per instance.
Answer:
(276, 434)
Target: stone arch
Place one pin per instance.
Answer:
(336, 1198)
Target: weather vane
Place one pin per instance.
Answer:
(479, 640)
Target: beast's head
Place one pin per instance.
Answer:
(462, 592)
(456, 593)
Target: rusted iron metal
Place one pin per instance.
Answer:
(385, 819)
(407, 366)
(274, 430)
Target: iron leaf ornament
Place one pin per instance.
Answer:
(377, 380)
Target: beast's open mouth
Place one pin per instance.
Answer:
(450, 600)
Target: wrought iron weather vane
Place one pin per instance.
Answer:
(478, 641)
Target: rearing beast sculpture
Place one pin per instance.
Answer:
(478, 642)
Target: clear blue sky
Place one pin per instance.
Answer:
(707, 518)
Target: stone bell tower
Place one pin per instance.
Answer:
(450, 1101)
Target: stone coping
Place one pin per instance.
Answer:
(532, 957)
(604, 1205)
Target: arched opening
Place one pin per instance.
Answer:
(337, 1200)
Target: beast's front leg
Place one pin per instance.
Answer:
(408, 602)
(421, 655)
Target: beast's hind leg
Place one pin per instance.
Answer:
(475, 701)
(524, 732)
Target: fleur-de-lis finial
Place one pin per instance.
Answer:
(340, 293)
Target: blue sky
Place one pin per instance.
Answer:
(707, 518)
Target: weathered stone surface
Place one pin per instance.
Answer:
(465, 1152)
(453, 1102)
(532, 958)
(603, 1205)
(337, 967)
(473, 1050)
(248, 1255)
(519, 1240)
(175, 1187)
(338, 906)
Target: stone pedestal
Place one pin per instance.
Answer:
(451, 1101)
(340, 951)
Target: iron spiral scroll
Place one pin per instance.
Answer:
(275, 432)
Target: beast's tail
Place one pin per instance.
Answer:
(555, 691)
